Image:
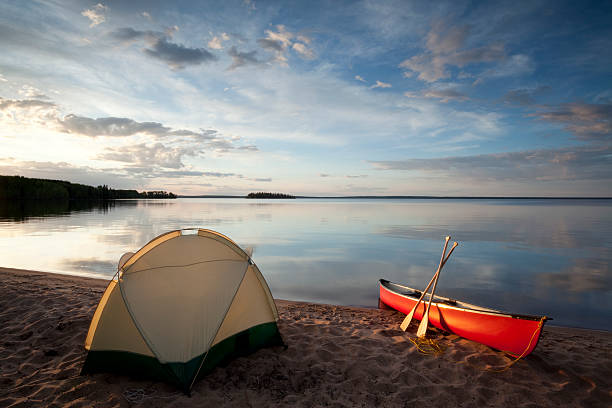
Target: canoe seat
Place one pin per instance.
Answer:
(452, 302)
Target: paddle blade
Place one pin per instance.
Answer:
(423, 326)
(408, 319)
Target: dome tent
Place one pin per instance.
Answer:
(178, 307)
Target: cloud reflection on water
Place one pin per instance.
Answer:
(524, 256)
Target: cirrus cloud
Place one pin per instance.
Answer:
(446, 47)
(570, 163)
(587, 121)
(444, 95)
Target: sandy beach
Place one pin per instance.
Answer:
(337, 356)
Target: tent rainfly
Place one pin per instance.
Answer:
(181, 305)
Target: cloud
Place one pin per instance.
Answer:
(271, 45)
(22, 112)
(96, 14)
(47, 114)
(446, 39)
(142, 154)
(303, 50)
(518, 64)
(182, 173)
(587, 121)
(281, 41)
(488, 53)
(277, 43)
(218, 174)
(445, 47)
(110, 126)
(221, 145)
(31, 92)
(570, 163)
(3, 79)
(444, 95)
(380, 84)
(524, 96)
(139, 172)
(146, 15)
(128, 34)
(177, 56)
(125, 127)
(250, 148)
(66, 171)
(193, 173)
(282, 36)
(241, 59)
(359, 78)
(6, 104)
(217, 42)
(264, 180)
(154, 172)
(304, 39)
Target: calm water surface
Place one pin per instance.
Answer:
(547, 257)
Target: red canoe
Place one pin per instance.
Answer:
(514, 334)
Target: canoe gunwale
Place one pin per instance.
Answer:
(439, 301)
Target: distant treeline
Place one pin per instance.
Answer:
(269, 195)
(24, 188)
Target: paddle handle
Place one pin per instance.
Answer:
(438, 272)
(425, 320)
(440, 265)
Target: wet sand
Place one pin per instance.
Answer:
(337, 356)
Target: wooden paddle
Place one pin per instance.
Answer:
(409, 316)
(425, 320)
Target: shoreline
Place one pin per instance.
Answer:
(105, 280)
(337, 356)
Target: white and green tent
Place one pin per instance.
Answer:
(178, 307)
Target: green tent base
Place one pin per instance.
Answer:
(183, 375)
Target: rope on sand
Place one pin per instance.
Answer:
(501, 369)
(510, 364)
(427, 346)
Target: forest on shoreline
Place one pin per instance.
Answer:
(25, 188)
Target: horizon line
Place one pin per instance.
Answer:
(403, 197)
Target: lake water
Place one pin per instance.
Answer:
(549, 257)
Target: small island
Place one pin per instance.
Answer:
(269, 195)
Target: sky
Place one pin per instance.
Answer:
(330, 98)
